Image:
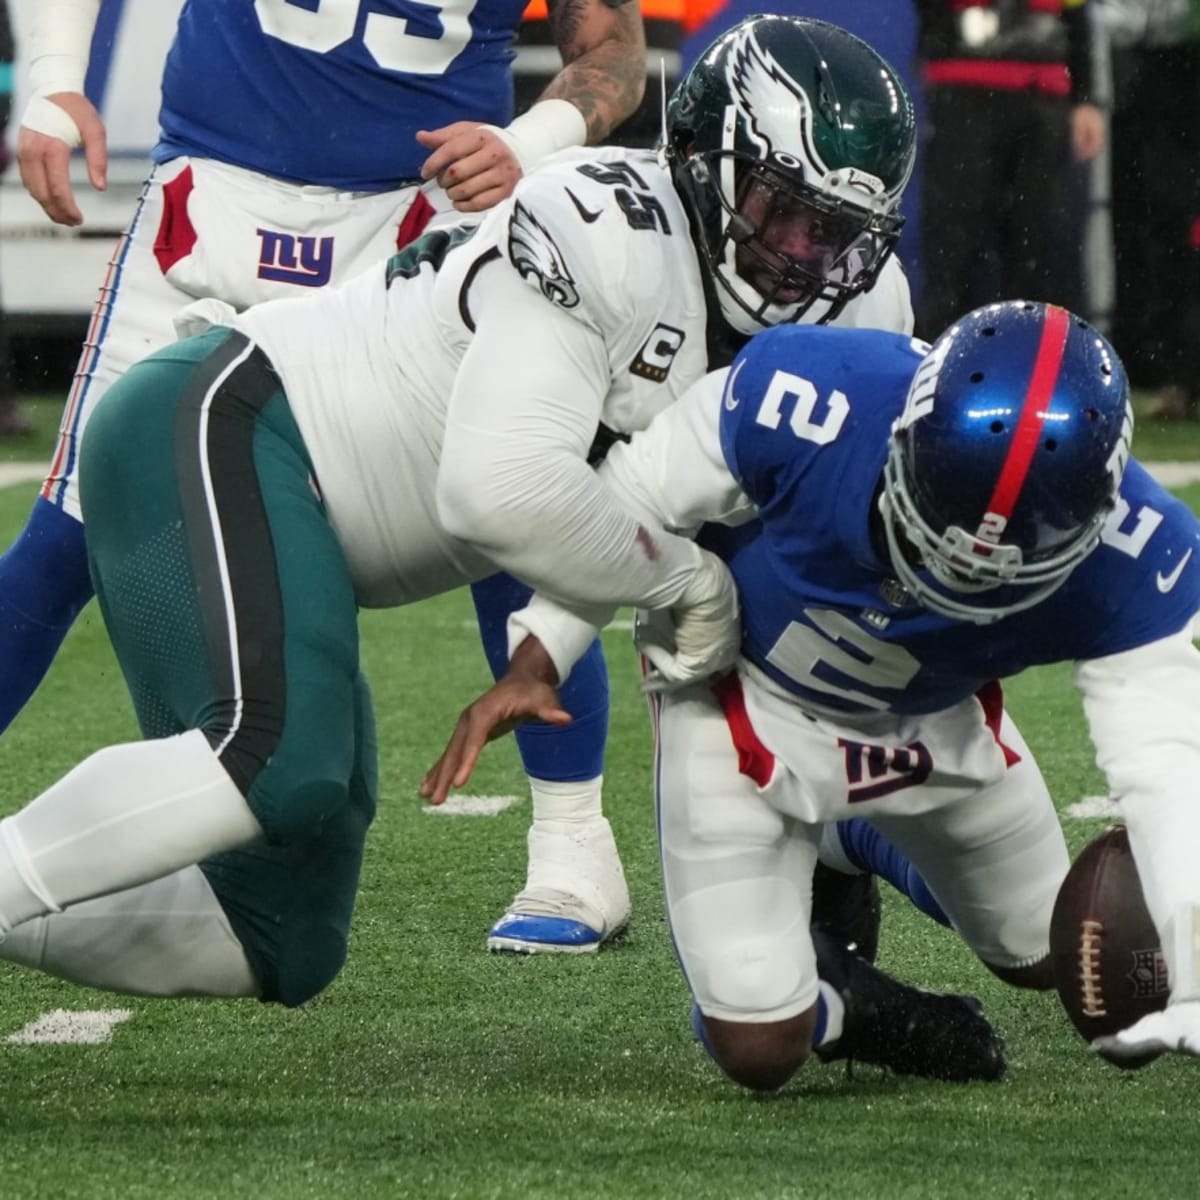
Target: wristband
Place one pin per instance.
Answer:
(549, 126)
(565, 635)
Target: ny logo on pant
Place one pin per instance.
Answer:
(890, 768)
(286, 258)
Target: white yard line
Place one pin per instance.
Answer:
(472, 806)
(60, 1027)
(12, 473)
(1174, 474)
(1093, 808)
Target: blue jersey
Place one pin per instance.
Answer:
(804, 428)
(331, 92)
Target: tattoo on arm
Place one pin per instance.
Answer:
(603, 48)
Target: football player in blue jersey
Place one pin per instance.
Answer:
(292, 159)
(407, 432)
(931, 520)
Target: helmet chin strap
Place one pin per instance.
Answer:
(740, 230)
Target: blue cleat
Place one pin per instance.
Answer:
(575, 897)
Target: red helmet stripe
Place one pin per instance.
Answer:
(1033, 412)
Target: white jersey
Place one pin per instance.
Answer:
(575, 308)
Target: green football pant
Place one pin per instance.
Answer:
(231, 610)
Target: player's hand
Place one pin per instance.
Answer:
(703, 636)
(1175, 1029)
(473, 163)
(526, 692)
(44, 145)
(1087, 132)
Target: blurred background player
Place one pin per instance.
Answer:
(14, 422)
(665, 22)
(248, 202)
(1007, 86)
(1156, 196)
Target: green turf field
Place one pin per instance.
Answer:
(431, 1069)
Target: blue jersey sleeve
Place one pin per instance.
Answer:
(1142, 582)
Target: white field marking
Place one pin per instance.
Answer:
(472, 806)
(21, 472)
(1174, 474)
(61, 1027)
(1091, 808)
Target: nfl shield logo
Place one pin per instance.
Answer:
(1148, 974)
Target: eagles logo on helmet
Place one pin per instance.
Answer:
(790, 142)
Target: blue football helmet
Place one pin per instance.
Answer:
(1007, 460)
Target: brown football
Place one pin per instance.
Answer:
(1108, 964)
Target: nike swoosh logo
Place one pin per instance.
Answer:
(1167, 582)
(732, 401)
(586, 213)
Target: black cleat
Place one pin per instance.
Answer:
(847, 908)
(905, 1029)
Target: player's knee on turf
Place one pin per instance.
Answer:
(761, 1056)
(748, 986)
(309, 965)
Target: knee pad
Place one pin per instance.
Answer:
(309, 962)
(298, 812)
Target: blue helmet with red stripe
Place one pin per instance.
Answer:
(1006, 462)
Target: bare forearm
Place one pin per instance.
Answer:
(603, 48)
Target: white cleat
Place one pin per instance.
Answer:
(575, 897)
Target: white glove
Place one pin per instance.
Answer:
(1176, 1028)
(698, 637)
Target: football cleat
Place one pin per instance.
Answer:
(905, 1029)
(847, 908)
(575, 897)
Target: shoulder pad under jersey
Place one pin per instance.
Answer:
(601, 233)
(887, 306)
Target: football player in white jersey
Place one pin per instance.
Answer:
(932, 520)
(575, 894)
(405, 433)
(248, 200)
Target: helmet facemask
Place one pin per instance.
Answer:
(950, 572)
(790, 142)
(781, 250)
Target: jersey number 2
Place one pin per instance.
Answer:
(809, 418)
(327, 24)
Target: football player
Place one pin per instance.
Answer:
(933, 519)
(400, 435)
(230, 212)
(245, 208)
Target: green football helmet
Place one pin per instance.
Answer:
(790, 141)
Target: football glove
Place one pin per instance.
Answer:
(699, 637)
(1176, 1028)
